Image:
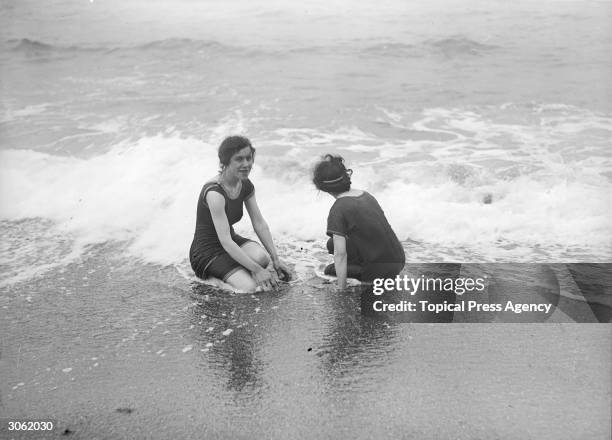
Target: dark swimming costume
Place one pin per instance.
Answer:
(373, 244)
(206, 247)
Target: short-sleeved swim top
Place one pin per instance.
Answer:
(206, 245)
(362, 221)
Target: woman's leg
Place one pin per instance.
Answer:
(227, 269)
(256, 253)
(241, 279)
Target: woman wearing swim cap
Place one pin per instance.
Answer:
(361, 240)
(216, 250)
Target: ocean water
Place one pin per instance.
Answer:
(112, 112)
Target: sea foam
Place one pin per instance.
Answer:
(145, 192)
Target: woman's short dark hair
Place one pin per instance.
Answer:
(330, 175)
(230, 146)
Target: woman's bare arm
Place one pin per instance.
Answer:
(216, 204)
(340, 260)
(260, 226)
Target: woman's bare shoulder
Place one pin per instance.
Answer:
(212, 180)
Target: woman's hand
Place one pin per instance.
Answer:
(265, 279)
(263, 232)
(282, 270)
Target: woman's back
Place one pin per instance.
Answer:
(362, 221)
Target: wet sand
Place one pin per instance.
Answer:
(118, 352)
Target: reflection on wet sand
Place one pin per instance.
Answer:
(233, 357)
(303, 362)
(353, 346)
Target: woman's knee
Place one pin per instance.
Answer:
(256, 253)
(242, 280)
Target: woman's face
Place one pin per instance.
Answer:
(241, 163)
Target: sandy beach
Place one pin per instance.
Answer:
(109, 358)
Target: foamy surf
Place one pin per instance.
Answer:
(511, 183)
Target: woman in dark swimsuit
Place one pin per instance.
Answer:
(361, 239)
(216, 249)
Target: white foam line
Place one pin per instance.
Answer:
(74, 136)
(215, 282)
(43, 268)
